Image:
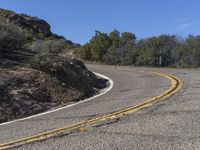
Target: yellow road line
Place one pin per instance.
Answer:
(176, 85)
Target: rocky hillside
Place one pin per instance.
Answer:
(36, 72)
(33, 27)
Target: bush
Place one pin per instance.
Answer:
(49, 46)
(47, 50)
(84, 52)
(41, 61)
(11, 38)
(112, 57)
(4, 13)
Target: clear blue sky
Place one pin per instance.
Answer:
(78, 19)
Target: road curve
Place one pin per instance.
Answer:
(157, 127)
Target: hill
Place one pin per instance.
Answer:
(37, 71)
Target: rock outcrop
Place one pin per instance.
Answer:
(32, 26)
(34, 23)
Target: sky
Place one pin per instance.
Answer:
(77, 20)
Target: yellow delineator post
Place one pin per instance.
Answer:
(176, 85)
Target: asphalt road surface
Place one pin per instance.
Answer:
(171, 124)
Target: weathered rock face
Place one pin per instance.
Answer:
(34, 23)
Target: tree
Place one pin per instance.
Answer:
(152, 48)
(127, 37)
(187, 53)
(117, 48)
(84, 52)
(115, 38)
(130, 53)
(99, 45)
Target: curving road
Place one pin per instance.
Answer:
(170, 124)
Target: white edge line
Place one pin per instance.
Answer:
(58, 109)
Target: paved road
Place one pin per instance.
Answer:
(171, 124)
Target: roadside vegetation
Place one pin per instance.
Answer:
(11, 38)
(118, 48)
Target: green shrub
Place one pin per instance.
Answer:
(3, 14)
(11, 38)
(41, 61)
(47, 50)
(49, 46)
(84, 52)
